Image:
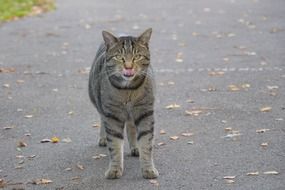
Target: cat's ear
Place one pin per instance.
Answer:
(145, 36)
(109, 39)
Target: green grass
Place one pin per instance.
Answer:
(14, 9)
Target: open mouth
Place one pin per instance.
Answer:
(128, 72)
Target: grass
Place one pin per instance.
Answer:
(15, 9)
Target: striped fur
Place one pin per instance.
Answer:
(121, 89)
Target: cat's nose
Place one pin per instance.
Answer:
(128, 65)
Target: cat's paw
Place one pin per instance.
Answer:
(103, 142)
(135, 152)
(150, 173)
(114, 173)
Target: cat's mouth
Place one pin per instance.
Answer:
(129, 73)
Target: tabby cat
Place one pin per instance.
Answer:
(121, 88)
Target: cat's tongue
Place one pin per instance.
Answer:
(128, 72)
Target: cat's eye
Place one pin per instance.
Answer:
(119, 58)
(138, 57)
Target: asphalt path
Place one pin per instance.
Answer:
(219, 69)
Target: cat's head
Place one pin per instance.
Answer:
(127, 58)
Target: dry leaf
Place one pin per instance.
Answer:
(161, 143)
(8, 127)
(79, 166)
(271, 173)
(41, 181)
(162, 132)
(266, 109)
(70, 113)
(6, 85)
(230, 177)
(190, 101)
(264, 145)
(154, 182)
(216, 73)
(7, 70)
(95, 125)
(67, 169)
(262, 130)
(55, 139)
(228, 129)
(186, 134)
(21, 144)
(252, 174)
(174, 137)
(179, 57)
(28, 116)
(190, 142)
(2, 183)
(233, 88)
(172, 106)
(45, 140)
(66, 140)
(229, 181)
(193, 112)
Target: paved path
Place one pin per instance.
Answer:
(225, 55)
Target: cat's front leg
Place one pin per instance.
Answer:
(145, 124)
(114, 136)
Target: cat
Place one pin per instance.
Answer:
(121, 86)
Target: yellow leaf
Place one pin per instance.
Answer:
(174, 137)
(162, 132)
(266, 109)
(55, 139)
(172, 106)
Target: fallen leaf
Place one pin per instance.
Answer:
(179, 58)
(271, 173)
(162, 132)
(228, 129)
(262, 130)
(264, 145)
(55, 139)
(216, 73)
(70, 113)
(266, 109)
(230, 177)
(273, 87)
(79, 166)
(154, 182)
(2, 183)
(32, 156)
(8, 127)
(67, 169)
(190, 142)
(7, 70)
(95, 125)
(186, 134)
(172, 106)
(75, 178)
(233, 88)
(21, 144)
(252, 173)
(20, 81)
(229, 181)
(174, 137)
(45, 140)
(6, 85)
(193, 112)
(66, 140)
(99, 156)
(20, 156)
(246, 85)
(28, 116)
(161, 143)
(41, 181)
(190, 101)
